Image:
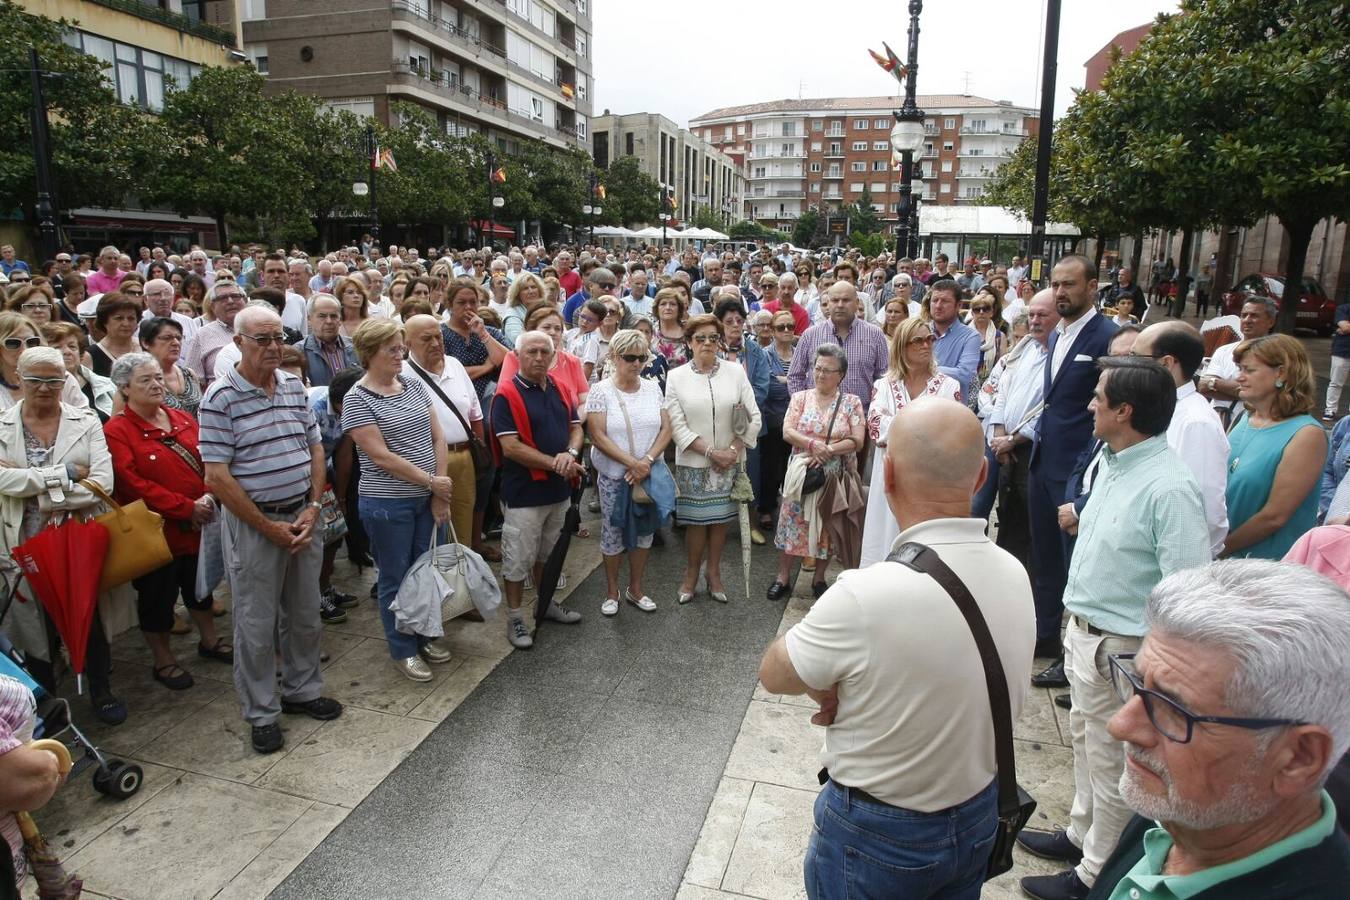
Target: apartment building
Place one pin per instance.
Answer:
(801, 153)
(507, 69)
(700, 175)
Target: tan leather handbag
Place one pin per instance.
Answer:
(136, 544)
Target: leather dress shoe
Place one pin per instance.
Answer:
(1050, 845)
(1053, 677)
(1063, 701)
(1064, 886)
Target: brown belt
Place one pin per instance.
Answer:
(462, 445)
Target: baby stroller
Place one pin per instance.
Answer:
(113, 777)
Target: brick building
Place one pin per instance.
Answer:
(800, 153)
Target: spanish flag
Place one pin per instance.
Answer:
(568, 90)
(384, 159)
(498, 176)
(890, 62)
(600, 191)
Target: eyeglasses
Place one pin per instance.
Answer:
(13, 343)
(706, 338)
(168, 338)
(819, 370)
(633, 357)
(18, 279)
(785, 328)
(930, 340)
(981, 308)
(398, 351)
(50, 383)
(34, 307)
(1138, 355)
(1173, 721)
(262, 340)
(228, 298)
(588, 319)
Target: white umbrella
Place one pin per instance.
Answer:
(650, 232)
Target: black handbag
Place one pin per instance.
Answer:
(814, 479)
(478, 451)
(1015, 805)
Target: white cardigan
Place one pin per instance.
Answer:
(700, 407)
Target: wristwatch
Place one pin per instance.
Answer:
(314, 504)
(576, 454)
(649, 459)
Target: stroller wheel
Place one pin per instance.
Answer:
(118, 779)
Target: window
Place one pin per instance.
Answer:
(858, 167)
(948, 123)
(928, 149)
(878, 187)
(882, 124)
(815, 167)
(138, 76)
(947, 146)
(856, 187)
(817, 124)
(628, 144)
(760, 171)
(979, 125)
(815, 146)
(581, 7)
(740, 129)
(946, 165)
(860, 146)
(879, 165)
(881, 145)
(815, 187)
(250, 10)
(835, 150)
(974, 151)
(944, 188)
(581, 44)
(787, 149)
(789, 129)
(859, 124)
(581, 127)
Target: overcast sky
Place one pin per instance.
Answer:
(686, 58)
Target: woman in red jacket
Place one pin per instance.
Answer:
(155, 459)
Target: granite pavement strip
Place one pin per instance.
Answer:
(631, 757)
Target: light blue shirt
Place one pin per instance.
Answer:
(1144, 520)
(958, 354)
(1020, 391)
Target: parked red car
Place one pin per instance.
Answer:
(1316, 311)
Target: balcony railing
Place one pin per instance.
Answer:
(450, 87)
(418, 11)
(176, 21)
(796, 154)
(834, 154)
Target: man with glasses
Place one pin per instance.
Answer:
(1143, 521)
(865, 344)
(264, 464)
(1231, 725)
(158, 298)
(199, 354)
(326, 348)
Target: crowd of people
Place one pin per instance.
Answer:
(272, 407)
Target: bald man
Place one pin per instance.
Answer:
(909, 743)
(158, 300)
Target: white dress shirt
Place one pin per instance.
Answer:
(1221, 365)
(1197, 436)
(1068, 334)
(1019, 390)
(455, 383)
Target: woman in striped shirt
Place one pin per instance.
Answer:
(404, 486)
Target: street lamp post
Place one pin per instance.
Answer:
(907, 140)
(492, 197)
(47, 212)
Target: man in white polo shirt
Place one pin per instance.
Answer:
(891, 660)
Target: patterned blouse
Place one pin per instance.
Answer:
(191, 399)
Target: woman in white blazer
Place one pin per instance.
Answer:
(46, 448)
(703, 397)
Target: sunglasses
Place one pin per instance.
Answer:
(633, 357)
(263, 340)
(930, 340)
(785, 328)
(36, 382)
(982, 308)
(706, 338)
(13, 343)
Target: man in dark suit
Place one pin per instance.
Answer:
(1063, 433)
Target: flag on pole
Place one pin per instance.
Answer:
(384, 159)
(498, 176)
(890, 62)
(600, 191)
(568, 90)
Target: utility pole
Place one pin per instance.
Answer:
(492, 196)
(908, 137)
(1041, 203)
(372, 149)
(47, 213)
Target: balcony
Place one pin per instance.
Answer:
(414, 11)
(796, 154)
(834, 174)
(836, 133)
(465, 99)
(176, 21)
(834, 154)
(780, 193)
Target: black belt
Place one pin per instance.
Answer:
(824, 775)
(282, 507)
(1092, 629)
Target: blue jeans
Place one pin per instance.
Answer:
(862, 849)
(400, 532)
(983, 502)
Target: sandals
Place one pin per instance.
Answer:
(163, 674)
(221, 651)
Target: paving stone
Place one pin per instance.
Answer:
(767, 859)
(708, 863)
(278, 860)
(777, 744)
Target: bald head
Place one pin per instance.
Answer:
(934, 461)
(1175, 344)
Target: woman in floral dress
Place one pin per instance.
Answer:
(913, 374)
(824, 427)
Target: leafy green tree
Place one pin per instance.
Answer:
(862, 217)
(228, 151)
(804, 232)
(97, 146)
(632, 196)
(435, 178)
(334, 160)
(706, 217)
(749, 229)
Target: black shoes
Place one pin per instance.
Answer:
(778, 590)
(818, 589)
(1064, 886)
(108, 709)
(1050, 845)
(1052, 677)
(322, 708)
(1063, 701)
(267, 738)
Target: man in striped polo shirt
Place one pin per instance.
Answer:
(264, 463)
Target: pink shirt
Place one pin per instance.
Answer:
(98, 283)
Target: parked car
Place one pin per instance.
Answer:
(1316, 311)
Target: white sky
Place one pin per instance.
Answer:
(685, 58)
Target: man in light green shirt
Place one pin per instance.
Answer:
(1144, 520)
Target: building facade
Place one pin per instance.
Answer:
(796, 154)
(507, 69)
(698, 174)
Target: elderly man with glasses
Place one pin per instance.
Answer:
(1241, 715)
(158, 298)
(1143, 521)
(227, 299)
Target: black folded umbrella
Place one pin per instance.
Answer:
(553, 566)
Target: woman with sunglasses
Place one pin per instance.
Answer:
(17, 334)
(629, 427)
(47, 446)
(701, 397)
(988, 324)
(773, 450)
(913, 373)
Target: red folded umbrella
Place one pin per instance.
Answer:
(63, 565)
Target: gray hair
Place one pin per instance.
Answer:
(527, 337)
(1020, 319)
(41, 356)
(1271, 307)
(1285, 627)
(221, 283)
(786, 277)
(255, 311)
(309, 270)
(902, 278)
(760, 317)
(628, 340)
(128, 363)
(834, 352)
(315, 298)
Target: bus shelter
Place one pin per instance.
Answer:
(987, 232)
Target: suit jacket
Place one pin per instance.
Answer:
(1065, 427)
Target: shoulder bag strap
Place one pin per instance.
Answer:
(444, 399)
(628, 423)
(923, 558)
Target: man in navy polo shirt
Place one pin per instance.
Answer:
(540, 439)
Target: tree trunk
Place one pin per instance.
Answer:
(1183, 283)
(1223, 265)
(1299, 233)
(222, 233)
(1100, 238)
(1136, 254)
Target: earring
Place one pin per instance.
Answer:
(1279, 385)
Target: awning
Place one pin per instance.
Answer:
(496, 229)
